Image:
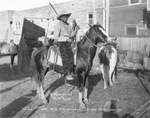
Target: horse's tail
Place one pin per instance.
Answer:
(33, 67)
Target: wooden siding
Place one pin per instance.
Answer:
(134, 43)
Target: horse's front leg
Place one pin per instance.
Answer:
(115, 76)
(81, 90)
(111, 75)
(110, 78)
(103, 71)
(86, 101)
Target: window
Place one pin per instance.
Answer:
(131, 30)
(11, 23)
(134, 2)
(17, 24)
(90, 18)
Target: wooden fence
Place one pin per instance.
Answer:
(138, 49)
(140, 44)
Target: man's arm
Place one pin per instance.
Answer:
(73, 33)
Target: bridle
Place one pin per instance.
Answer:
(91, 41)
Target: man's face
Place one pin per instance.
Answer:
(64, 19)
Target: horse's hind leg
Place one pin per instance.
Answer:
(42, 96)
(12, 61)
(39, 80)
(41, 85)
(40, 91)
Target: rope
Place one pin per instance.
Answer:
(90, 40)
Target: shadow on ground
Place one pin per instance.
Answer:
(11, 88)
(9, 75)
(110, 110)
(93, 81)
(143, 76)
(17, 105)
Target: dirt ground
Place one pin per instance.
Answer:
(128, 98)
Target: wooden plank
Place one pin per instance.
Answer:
(30, 27)
(134, 44)
(29, 31)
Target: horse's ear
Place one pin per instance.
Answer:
(115, 38)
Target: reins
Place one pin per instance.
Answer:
(90, 40)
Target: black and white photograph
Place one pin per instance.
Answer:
(75, 59)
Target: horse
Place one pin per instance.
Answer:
(12, 57)
(86, 50)
(108, 62)
(11, 50)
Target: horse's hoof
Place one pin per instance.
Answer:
(82, 107)
(105, 87)
(11, 68)
(110, 84)
(45, 102)
(114, 82)
(86, 101)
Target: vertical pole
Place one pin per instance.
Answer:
(47, 29)
(94, 12)
(148, 5)
(104, 14)
(107, 16)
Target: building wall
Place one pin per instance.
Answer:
(122, 14)
(114, 3)
(79, 9)
(5, 30)
(98, 9)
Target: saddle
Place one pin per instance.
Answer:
(56, 50)
(54, 57)
(8, 49)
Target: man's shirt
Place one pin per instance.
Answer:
(62, 31)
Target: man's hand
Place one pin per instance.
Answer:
(55, 42)
(69, 40)
(77, 28)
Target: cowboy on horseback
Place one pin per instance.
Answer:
(64, 35)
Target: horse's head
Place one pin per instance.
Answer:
(98, 34)
(113, 42)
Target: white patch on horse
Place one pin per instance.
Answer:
(108, 71)
(104, 32)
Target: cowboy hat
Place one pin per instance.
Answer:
(63, 13)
